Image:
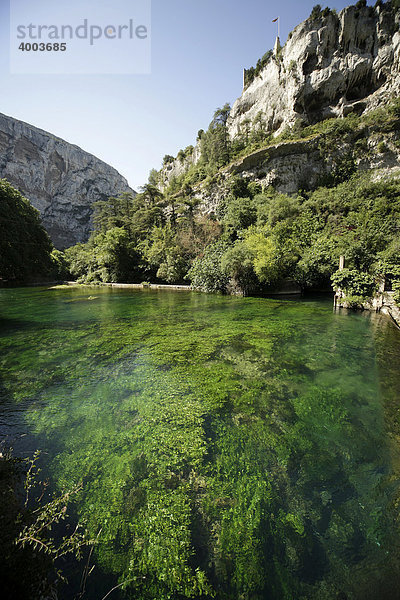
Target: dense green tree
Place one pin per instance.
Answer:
(353, 283)
(237, 263)
(114, 212)
(273, 259)
(162, 252)
(146, 236)
(273, 208)
(108, 257)
(316, 12)
(388, 260)
(240, 214)
(215, 142)
(167, 159)
(207, 273)
(317, 263)
(239, 187)
(60, 268)
(25, 247)
(153, 177)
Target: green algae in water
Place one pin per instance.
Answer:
(229, 448)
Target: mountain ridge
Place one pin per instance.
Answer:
(60, 179)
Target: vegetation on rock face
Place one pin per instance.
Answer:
(318, 12)
(215, 143)
(256, 237)
(253, 72)
(259, 239)
(26, 252)
(342, 142)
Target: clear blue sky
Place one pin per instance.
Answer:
(199, 48)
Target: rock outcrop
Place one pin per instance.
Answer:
(179, 165)
(60, 180)
(331, 65)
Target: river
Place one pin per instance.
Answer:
(235, 448)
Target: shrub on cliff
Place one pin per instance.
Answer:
(215, 142)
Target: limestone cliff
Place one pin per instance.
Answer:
(61, 180)
(330, 66)
(179, 165)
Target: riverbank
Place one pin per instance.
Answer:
(287, 287)
(137, 286)
(390, 308)
(382, 302)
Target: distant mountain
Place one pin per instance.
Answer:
(60, 179)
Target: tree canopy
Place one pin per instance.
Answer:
(25, 247)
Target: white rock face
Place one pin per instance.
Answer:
(177, 167)
(327, 68)
(60, 180)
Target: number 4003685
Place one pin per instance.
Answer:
(41, 47)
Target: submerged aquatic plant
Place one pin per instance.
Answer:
(229, 448)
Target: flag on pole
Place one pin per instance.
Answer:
(278, 23)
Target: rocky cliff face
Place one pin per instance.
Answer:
(61, 180)
(178, 166)
(330, 65)
(290, 166)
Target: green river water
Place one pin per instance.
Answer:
(229, 448)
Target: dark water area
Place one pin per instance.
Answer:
(235, 448)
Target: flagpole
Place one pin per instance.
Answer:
(277, 21)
